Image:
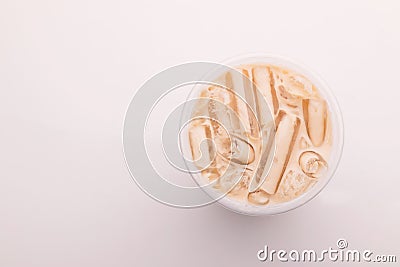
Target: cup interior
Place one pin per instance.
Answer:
(337, 137)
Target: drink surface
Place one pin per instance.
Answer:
(269, 134)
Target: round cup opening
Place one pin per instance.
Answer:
(337, 134)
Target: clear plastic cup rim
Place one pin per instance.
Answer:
(337, 134)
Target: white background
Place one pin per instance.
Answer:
(68, 70)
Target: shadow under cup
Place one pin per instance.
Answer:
(244, 207)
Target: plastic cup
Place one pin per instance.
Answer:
(337, 137)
